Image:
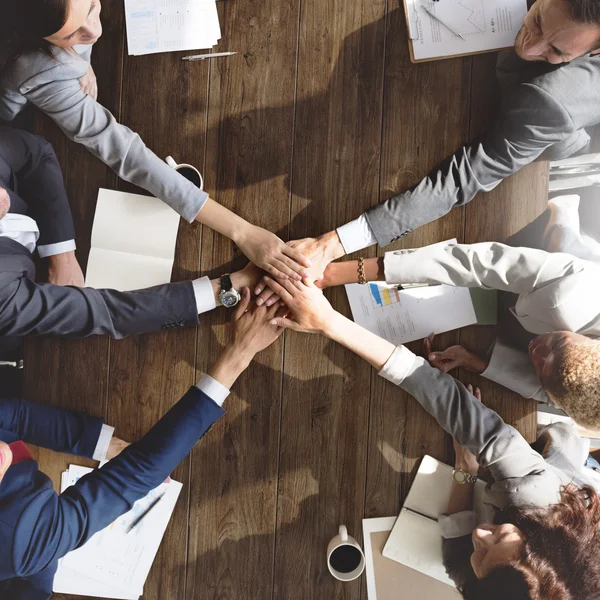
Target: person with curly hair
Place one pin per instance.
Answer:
(542, 542)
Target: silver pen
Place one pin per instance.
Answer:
(194, 57)
(433, 15)
(141, 517)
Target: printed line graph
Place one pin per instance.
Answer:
(475, 16)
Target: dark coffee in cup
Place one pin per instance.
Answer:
(344, 559)
(190, 175)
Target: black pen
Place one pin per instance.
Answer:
(141, 517)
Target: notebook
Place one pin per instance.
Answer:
(415, 540)
(485, 25)
(115, 562)
(389, 580)
(133, 242)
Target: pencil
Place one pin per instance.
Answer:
(433, 15)
(143, 515)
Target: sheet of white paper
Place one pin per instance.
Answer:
(369, 526)
(485, 25)
(420, 547)
(134, 224)
(125, 272)
(407, 315)
(170, 25)
(121, 558)
(67, 581)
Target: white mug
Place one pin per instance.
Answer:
(178, 167)
(339, 541)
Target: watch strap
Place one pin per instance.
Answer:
(226, 284)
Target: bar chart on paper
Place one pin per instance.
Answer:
(383, 295)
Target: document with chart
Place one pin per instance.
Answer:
(435, 25)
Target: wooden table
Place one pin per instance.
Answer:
(318, 117)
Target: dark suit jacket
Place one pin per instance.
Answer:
(30, 173)
(37, 526)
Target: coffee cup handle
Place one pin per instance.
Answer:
(343, 533)
(171, 162)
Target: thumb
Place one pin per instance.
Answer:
(286, 323)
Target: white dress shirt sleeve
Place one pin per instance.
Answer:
(216, 391)
(59, 248)
(106, 434)
(356, 235)
(205, 298)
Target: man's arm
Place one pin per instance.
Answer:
(51, 525)
(49, 427)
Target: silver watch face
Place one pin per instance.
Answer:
(459, 476)
(230, 298)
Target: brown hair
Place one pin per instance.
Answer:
(25, 24)
(586, 11)
(559, 560)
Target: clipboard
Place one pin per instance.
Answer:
(414, 25)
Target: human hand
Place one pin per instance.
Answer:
(272, 254)
(465, 459)
(320, 251)
(248, 277)
(310, 310)
(63, 269)
(89, 84)
(115, 447)
(453, 357)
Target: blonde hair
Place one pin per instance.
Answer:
(575, 384)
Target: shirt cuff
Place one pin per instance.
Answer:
(106, 434)
(398, 365)
(216, 391)
(458, 524)
(203, 292)
(59, 248)
(356, 235)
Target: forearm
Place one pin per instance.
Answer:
(375, 350)
(230, 365)
(223, 221)
(342, 273)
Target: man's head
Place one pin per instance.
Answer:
(568, 367)
(557, 31)
(4, 202)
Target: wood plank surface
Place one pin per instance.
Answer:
(234, 469)
(326, 390)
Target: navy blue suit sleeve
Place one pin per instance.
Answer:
(51, 525)
(50, 427)
(29, 308)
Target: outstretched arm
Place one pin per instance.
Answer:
(51, 525)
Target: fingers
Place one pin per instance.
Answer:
(274, 272)
(446, 365)
(285, 323)
(262, 284)
(447, 354)
(286, 290)
(476, 392)
(297, 256)
(242, 307)
(292, 268)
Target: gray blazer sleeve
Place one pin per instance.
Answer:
(521, 475)
(531, 122)
(28, 308)
(53, 86)
(557, 291)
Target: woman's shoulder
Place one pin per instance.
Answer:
(39, 67)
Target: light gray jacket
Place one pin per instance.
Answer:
(522, 475)
(544, 112)
(557, 292)
(52, 84)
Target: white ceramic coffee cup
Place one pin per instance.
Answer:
(178, 166)
(343, 539)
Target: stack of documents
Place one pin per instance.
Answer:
(133, 242)
(170, 25)
(115, 562)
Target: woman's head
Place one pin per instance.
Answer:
(546, 553)
(40, 24)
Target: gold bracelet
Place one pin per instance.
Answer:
(362, 278)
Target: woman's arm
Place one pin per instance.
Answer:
(342, 273)
(55, 89)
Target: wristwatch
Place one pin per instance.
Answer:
(228, 295)
(461, 477)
